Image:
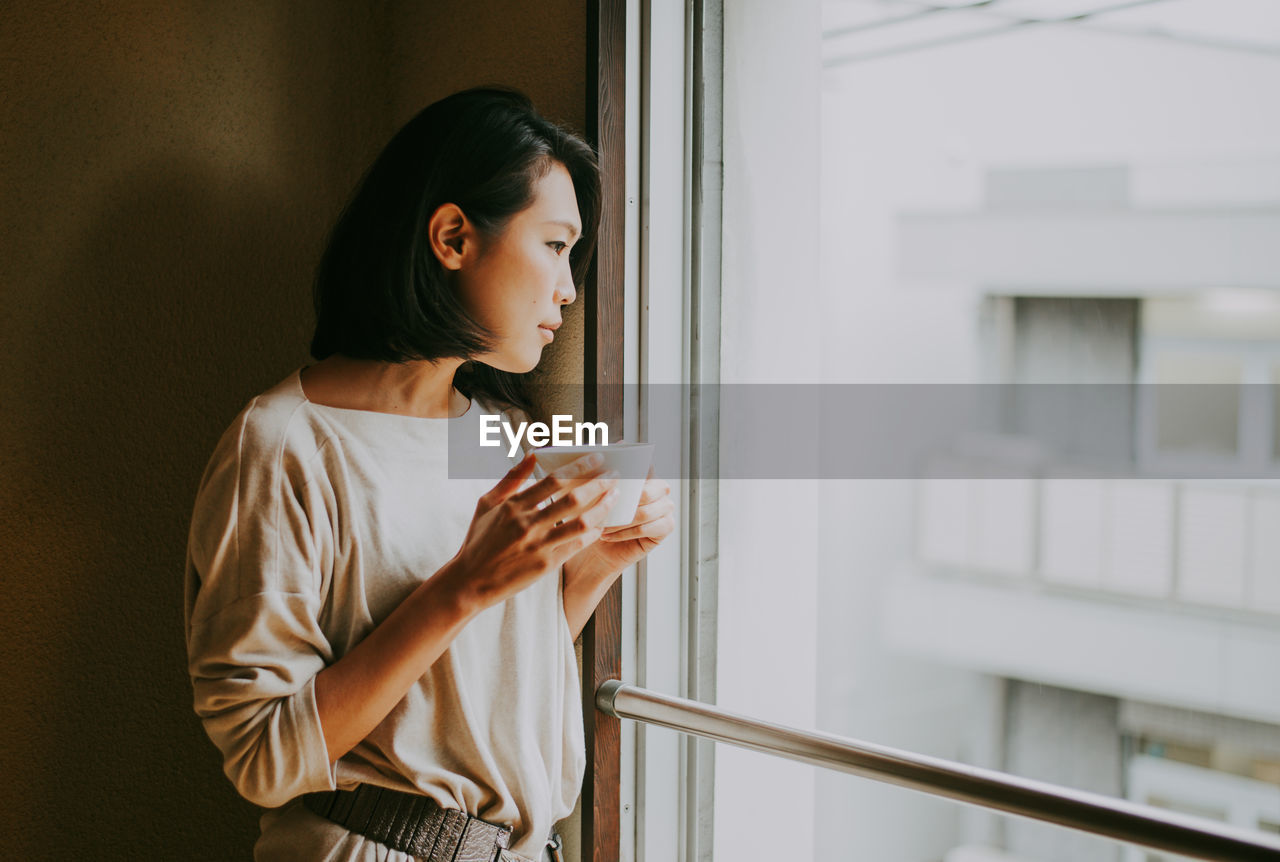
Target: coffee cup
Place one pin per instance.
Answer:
(629, 460)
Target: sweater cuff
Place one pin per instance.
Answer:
(317, 772)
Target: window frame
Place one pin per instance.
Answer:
(653, 317)
(603, 365)
(679, 246)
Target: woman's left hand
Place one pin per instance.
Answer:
(619, 547)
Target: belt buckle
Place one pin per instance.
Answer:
(554, 846)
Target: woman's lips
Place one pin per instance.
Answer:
(547, 333)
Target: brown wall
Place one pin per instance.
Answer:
(167, 176)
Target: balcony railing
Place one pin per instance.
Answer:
(1075, 809)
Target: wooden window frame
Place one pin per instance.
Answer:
(602, 368)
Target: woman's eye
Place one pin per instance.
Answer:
(558, 246)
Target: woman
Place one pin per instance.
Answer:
(384, 662)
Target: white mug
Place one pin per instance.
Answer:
(630, 460)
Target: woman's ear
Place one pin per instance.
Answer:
(451, 235)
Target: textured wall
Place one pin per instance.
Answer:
(444, 46)
(167, 176)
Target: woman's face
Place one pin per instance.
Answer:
(518, 282)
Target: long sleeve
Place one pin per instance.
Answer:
(254, 594)
(311, 525)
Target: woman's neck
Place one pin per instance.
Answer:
(419, 388)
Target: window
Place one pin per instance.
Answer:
(941, 193)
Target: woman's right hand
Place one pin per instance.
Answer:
(514, 539)
(510, 544)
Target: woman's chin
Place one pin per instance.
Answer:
(516, 364)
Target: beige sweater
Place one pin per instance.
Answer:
(311, 524)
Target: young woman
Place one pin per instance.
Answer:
(383, 654)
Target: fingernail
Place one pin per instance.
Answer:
(595, 460)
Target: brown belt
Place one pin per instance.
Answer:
(411, 823)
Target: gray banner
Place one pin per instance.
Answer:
(873, 431)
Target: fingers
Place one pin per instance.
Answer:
(655, 501)
(654, 521)
(580, 498)
(658, 530)
(586, 524)
(572, 545)
(509, 483)
(570, 476)
(654, 489)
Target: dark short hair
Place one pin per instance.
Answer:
(380, 292)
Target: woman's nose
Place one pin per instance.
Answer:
(565, 292)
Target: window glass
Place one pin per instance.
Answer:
(1056, 214)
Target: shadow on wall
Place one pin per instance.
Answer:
(173, 309)
(168, 174)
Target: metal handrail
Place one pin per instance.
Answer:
(1076, 809)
